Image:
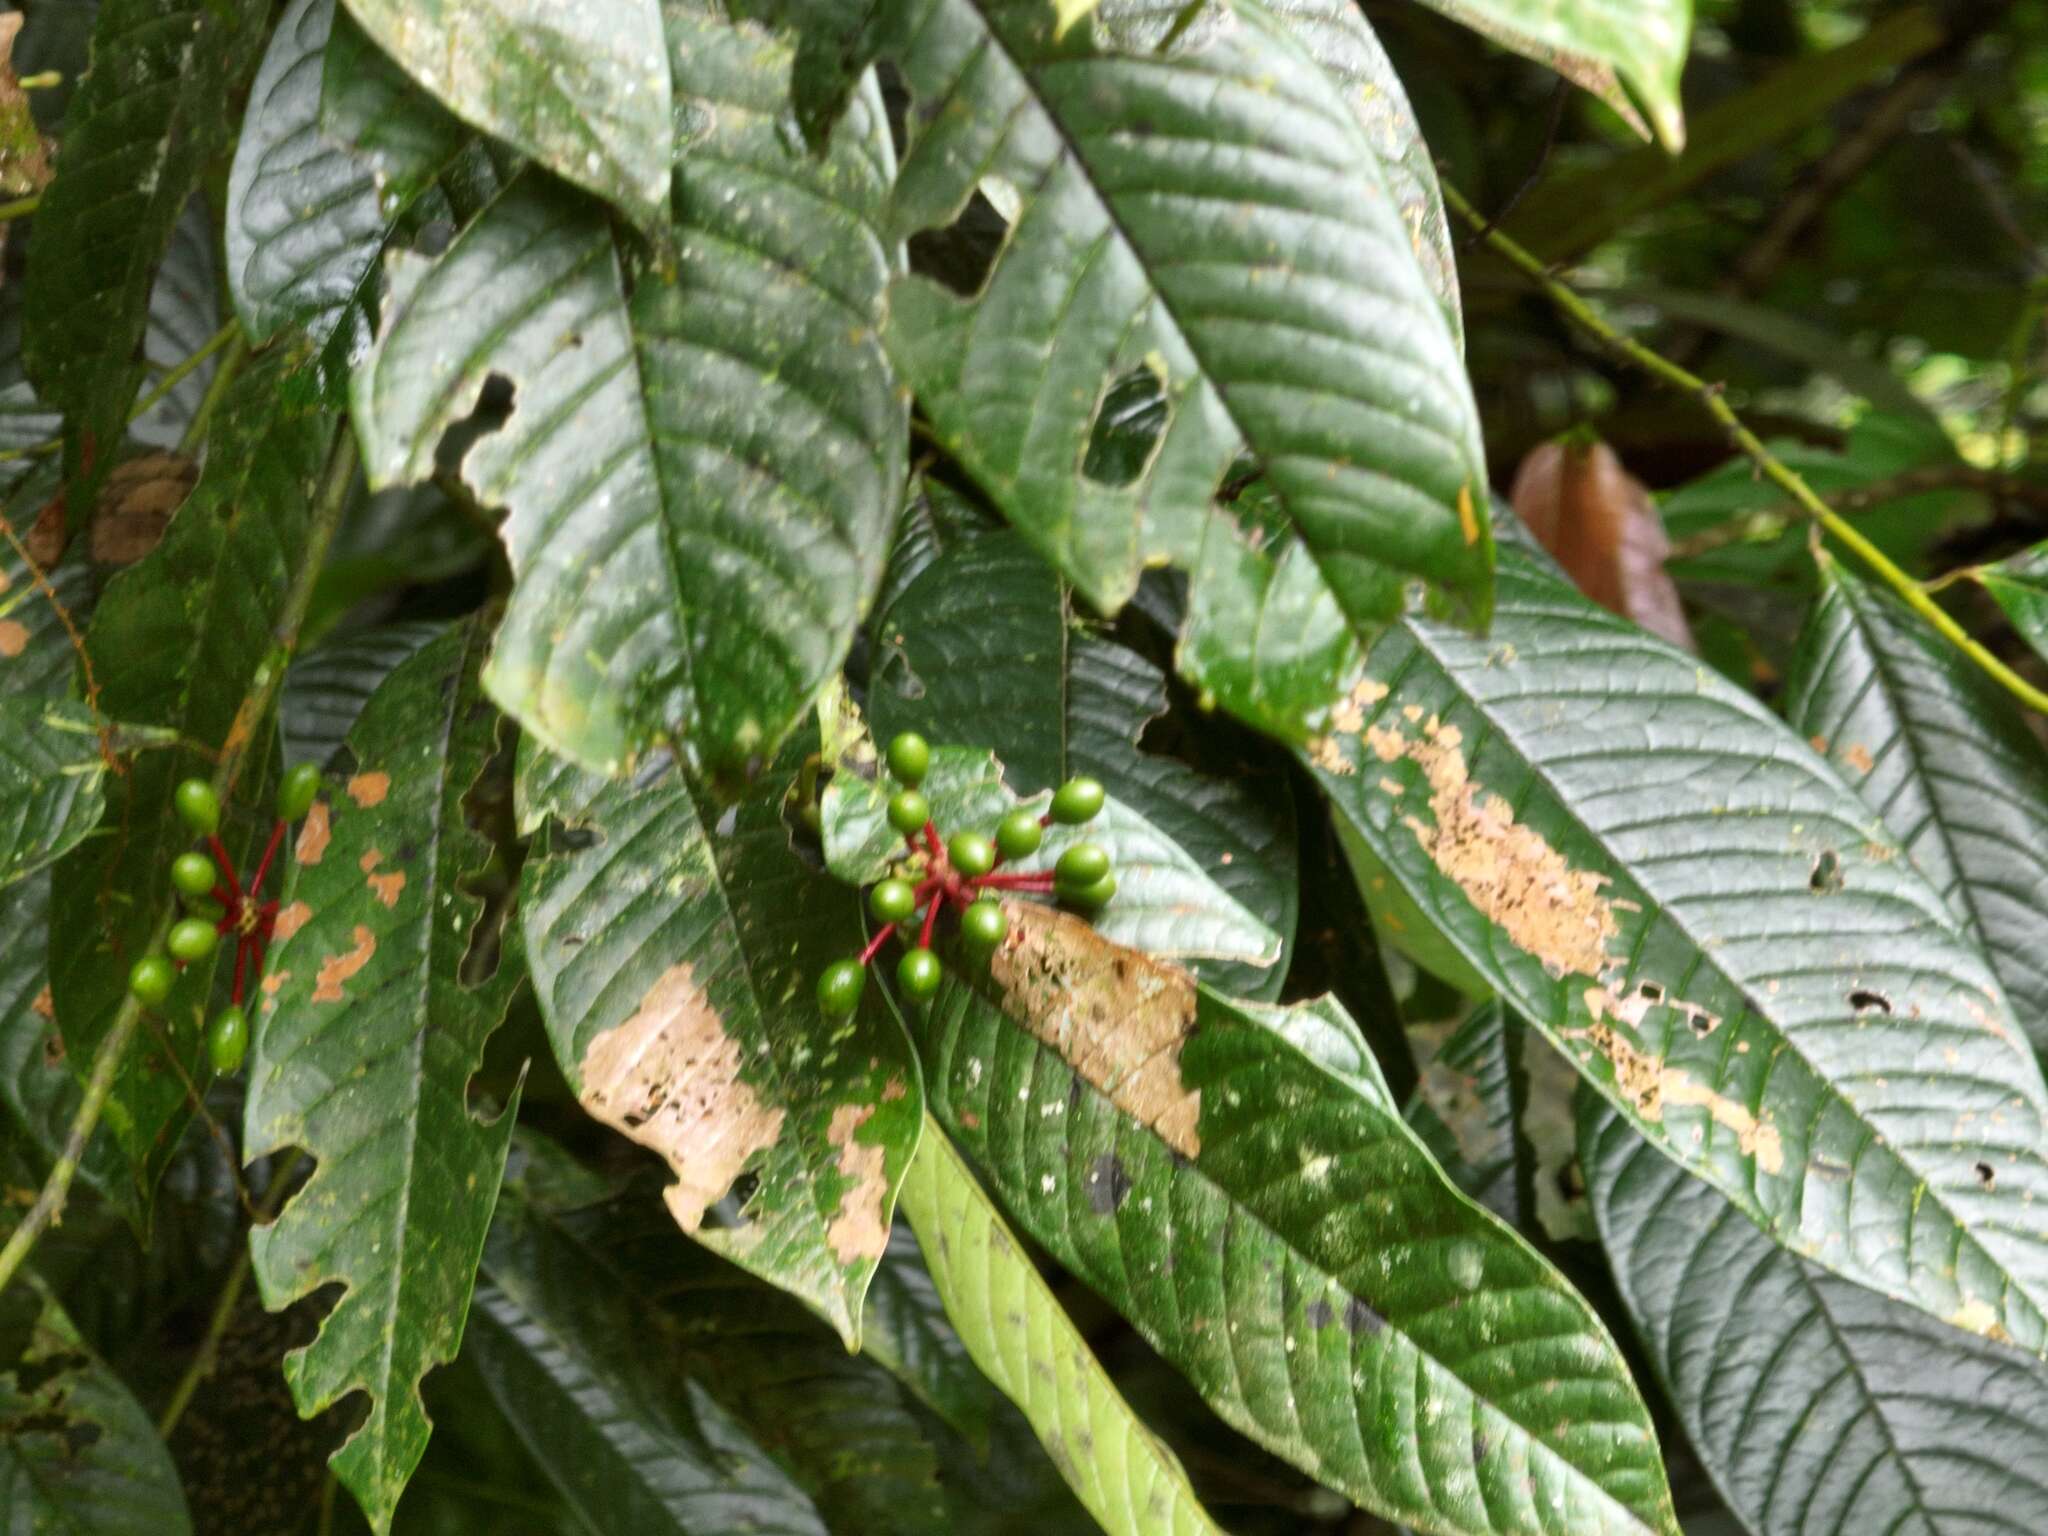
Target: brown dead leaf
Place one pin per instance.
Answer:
(1599, 521)
(335, 970)
(857, 1231)
(314, 835)
(136, 504)
(1117, 1016)
(669, 1078)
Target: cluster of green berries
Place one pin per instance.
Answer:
(964, 872)
(217, 903)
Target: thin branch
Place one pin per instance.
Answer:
(1773, 521)
(1769, 465)
(331, 499)
(184, 370)
(195, 429)
(21, 207)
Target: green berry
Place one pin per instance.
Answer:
(193, 874)
(1018, 835)
(918, 973)
(1077, 800)
(983, 925)
(840, 985)
(1081, 866)
(198, 806)
(892, 901)
(191, 939)
(910, 758)
(909, 811)
(297, 790)
(227, 1040)
(150, 979)
(971, 853)
(1092, 898)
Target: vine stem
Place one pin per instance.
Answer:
(184, 369)
(1769, 465)
(328, 506)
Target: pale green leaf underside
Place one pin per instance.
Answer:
(1017, 1333)
(2019, 585)
(51, 781)
(1689, 903)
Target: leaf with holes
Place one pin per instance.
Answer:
(177, 641)
(52, 776)
(1239, 1183)
(1939, 751)
(1302, 333)
(584, 89)
(700, 478)
(373, 1020)
(1820, 1408)
(1690, 904)
(1165, 902)
(1014, 1327)
(675, 951)
(982, 646)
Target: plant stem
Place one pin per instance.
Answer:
(184, 370)
(223, 376)
(328, 505)
(1589, 320)
(21, 207)
(1770, 523)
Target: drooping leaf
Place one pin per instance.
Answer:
(1165, 902)
(2019, 585)
(904, 1329)
(1819, 1407)
(51, 775)
(982, 647)
(675, 952)
(77, 1452)
(373, 1020)
(1019, 1336)
(1939, 751)
(176, 641)
(1239, 1184)
(1683, 897)
(584, 89)
(1302, 332)
(699, 478)
(139, 132)
(326, 689)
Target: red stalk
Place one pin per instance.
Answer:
(876, 943)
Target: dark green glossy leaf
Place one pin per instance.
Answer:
(37, 654)
(982, 647)
(184, 314)
(1239, 1184)
(176, 642)
(1302, 333)
(372, 1023)
(1939, 751)
(1124, 1475)
(675, 951)
(139, 132)
(326, 689)
(904, 1329)
(77, 1453)
(1819, 1407)
(52, 772)
(1642, 862)
(1468, 1106)
(584, 89)
(699, 478)
(2019, 585)
(368, 104)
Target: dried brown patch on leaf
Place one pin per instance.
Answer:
(44, 1005)
(13, 639)
(314, 835)
(290, 919)
(384, 887)
(1117, 1016)
(857, 1232)
(336, 970)
(1857, 756)
(1650, 1085)
(368, 789)
(136, 503)
(669, 1078)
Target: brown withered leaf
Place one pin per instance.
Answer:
(136, 504)
(1599, 522)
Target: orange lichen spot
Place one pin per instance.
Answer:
(1857, 756)
(384, 887)
(44, 1006)
(335, 970)
(291, 919)
(314, 835)
(368, 789)
(13, 638)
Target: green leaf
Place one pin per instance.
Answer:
(77, 1453)
(1637, 857)
(1468, 1107)
(368, 103)
(675, 952)
(1165, 902)
(37, 655)
(176, 641)
(1014, 1327)
(905, 1330)
(1330, 365)
(140, 131)
(2019, 585)
(584, 89)
(373, 1021)
(1939, 751)
(326, 689)
(1623, 51)
(699, 478)
(184, 314)
(1819, 1408)
(981, 646)
(1239, 1184)
(51, 781)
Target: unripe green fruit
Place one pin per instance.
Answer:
(227, 1040)
(1092, 898)
(193, 874)
(297, 790)
(909, 811)
(840, 985)
(1081, 866)
(150, 979)
(892, 901)
(197, 806)
(983, 925)
(910, 758)
(918, 974)
(971, 853)
(191, 939)
(1018, 835)
(1076, 801)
